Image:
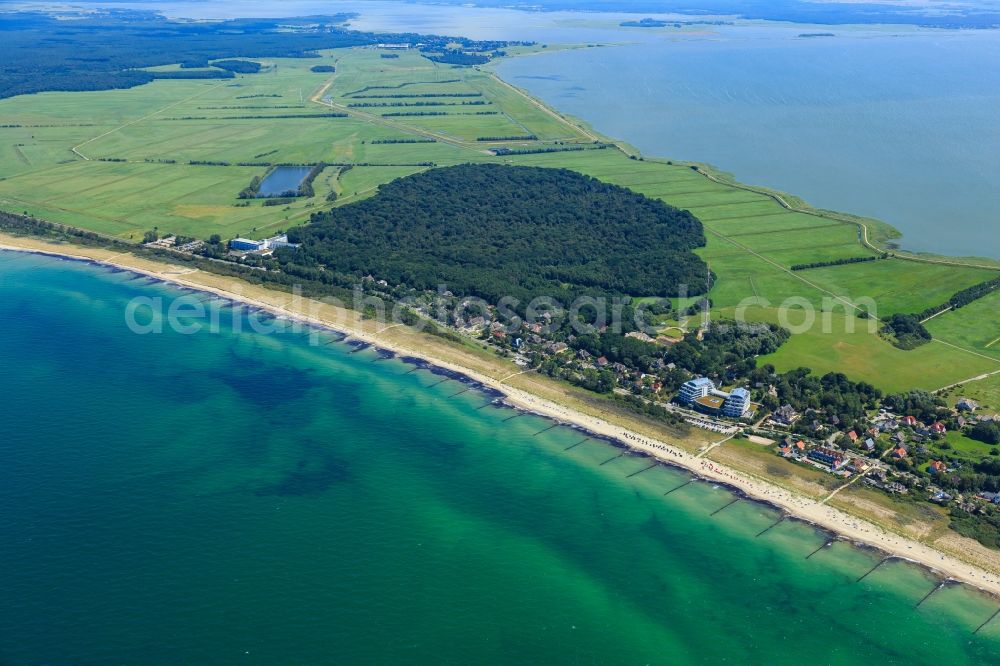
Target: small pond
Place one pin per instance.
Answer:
(283, 179)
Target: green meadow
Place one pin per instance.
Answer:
(120, 163)
(984, 337)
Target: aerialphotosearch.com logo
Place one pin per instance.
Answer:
(195, 312)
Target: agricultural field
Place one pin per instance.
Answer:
(865, 356)
(898, 285)
(984, 337)
(122, 162)
(174, 155)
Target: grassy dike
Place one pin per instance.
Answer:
(743, 466)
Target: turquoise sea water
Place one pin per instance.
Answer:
(245, 498)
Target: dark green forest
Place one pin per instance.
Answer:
(455, 57)
(493, 231)
(107, 50)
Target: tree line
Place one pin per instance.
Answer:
(460, 58)
(418, 95)
(839, 262)
(110, 50)
(963, 298)
(376, 142)
(499, 152)
(376, 105)
(523, 137)
(294, 116)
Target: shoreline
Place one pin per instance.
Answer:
(882, 241)
(840, 524)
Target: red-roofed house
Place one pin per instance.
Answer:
(853, 436)
(937, 467)
(899, 452)
(859, 465)
(910, 421)
(939, 428)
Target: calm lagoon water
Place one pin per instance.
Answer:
(283, 179)
(902, 127)
(240, 497)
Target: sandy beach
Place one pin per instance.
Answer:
(839, 522)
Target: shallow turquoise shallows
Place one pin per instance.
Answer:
(247, 498)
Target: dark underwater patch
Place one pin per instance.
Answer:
(313, 475)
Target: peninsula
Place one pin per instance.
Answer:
(160, 174)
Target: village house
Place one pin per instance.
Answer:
(835, 459)
(937, 467)
(784, 415)
(940, 497)
(989, 497)
(967, 405)
(887, 425)
(858, 465)
(639, 335)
